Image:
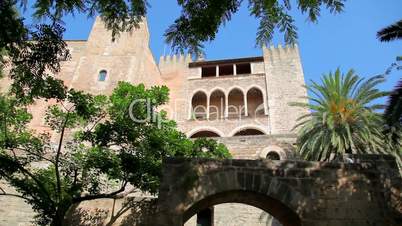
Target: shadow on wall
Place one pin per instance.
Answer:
(127, 211)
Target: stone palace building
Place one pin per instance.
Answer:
(243, 102)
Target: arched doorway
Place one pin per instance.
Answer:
(255, 102)
(233, 214)
(199, 105)
(281, 212)
(236, 107)
(217, 105)
(191, 186)
(284, 189)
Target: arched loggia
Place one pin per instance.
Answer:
(199, 105)
(236, 107)
(217, 105)
(255, 102)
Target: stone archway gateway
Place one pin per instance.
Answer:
(297, 193)
(281, 212)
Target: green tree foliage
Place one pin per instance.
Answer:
(342, 118)
(32, 55)
(114, 141)
(200, 20)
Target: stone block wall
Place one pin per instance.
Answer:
(14, 211)
(297, 193)
(257, 147)
(285, 85)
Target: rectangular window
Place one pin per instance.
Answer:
(225, 70)
(102, 76)
(208, 72)
(244, 68)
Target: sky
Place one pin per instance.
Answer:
(346, 40)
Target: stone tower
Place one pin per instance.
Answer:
(128, 58)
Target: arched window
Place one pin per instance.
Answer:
(217, 105)
(102, 75)
(199, 105)
(204, 133)
(273, 156)
(249, 132)
(255, 102)
(236, 103)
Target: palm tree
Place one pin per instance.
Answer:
(342, 118)
(392, 32)
(393, 110)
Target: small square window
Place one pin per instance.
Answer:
(243, 68)
(208, 71)
(225, 70)
(102, 75)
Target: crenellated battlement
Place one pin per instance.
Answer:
(289, 49)
(171, 63)
(172, 60)
(281, 54)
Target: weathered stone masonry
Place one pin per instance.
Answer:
(297, 193)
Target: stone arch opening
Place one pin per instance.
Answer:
(249, 132)
(255, 102)
(284, 214)
(272, 152)
(273, 155)
(236, 106)
(204, 133)
(217, 105)
(199, 105)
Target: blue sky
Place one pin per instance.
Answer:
(347, 40)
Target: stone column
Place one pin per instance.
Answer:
(245, 104)
(226, 113)
(234, 69)
(208, 106)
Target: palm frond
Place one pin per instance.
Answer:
(390, 33)
(393, 111)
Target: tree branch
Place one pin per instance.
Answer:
(32, 153)
(97, 121)
(13, 195)
(100, 196)
(57, 159)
